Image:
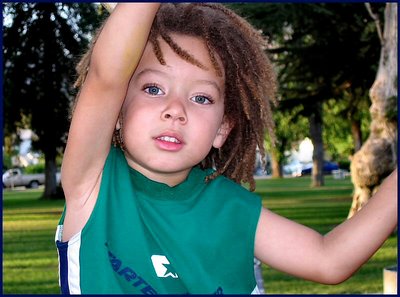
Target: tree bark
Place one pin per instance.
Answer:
(357, 135)
(50, 184)
(276, 165)
(318, 153)
(378, 156)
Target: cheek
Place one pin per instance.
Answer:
(134, 105)
(135, 118)
(207, 130)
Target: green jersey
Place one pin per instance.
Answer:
(144, 237)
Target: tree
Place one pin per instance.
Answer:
(41, 42)
(378, 156)
(320, 51)
(290, 129)
(339, 120)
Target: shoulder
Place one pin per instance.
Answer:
(236, 208)
(227, 190)
(225, 184)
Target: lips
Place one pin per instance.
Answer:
(169, 141)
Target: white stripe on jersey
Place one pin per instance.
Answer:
(74, 245)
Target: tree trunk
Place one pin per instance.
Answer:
(50, 184)
(318, 153)
(378, 156)
(357, 135)
(276, 165)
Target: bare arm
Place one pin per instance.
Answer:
(114, 59)
(329, 259)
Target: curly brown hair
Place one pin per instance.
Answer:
(250, 82)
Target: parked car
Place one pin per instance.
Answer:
(328, 167)
(16, 178)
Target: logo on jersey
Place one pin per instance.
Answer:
(162, 266)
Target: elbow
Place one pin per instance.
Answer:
(334, 280)
(330, 275)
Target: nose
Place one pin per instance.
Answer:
(175, 111)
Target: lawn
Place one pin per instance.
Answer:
(30, 258)
(29, 255)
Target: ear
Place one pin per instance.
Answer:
(118, 125)
(222, 133)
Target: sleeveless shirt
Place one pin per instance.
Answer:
(144, 237)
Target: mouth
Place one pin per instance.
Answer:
(169, 142)
(169, 139)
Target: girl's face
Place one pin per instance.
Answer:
(173, 114)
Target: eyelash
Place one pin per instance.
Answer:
(210, 100)
(154, 85)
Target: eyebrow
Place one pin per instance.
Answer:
(150, 70)
(211, 83)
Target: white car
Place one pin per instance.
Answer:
(16, 178)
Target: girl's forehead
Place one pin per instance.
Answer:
(187, 48)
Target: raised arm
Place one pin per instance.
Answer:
(114, 59)
(330, 259)
(115, 56)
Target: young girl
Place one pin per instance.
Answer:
(183, 93)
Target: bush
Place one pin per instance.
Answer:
(31, 169)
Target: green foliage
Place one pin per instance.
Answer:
(41, 43)
(7, 164)
(290, 126)
(338, 140)
(321, 51)
(37, 168)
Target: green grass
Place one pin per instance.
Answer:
(29, 254)
(30, 258)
